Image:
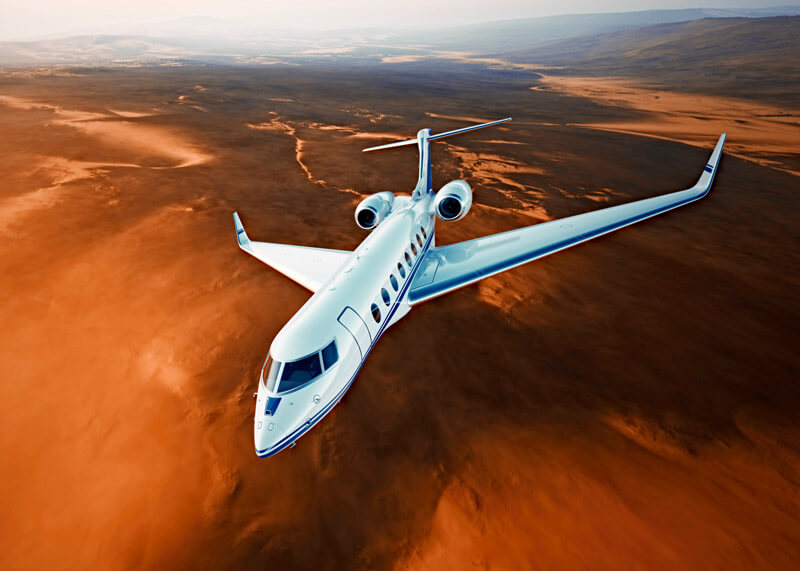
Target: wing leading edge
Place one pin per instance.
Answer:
(310, 267)
(447, 268)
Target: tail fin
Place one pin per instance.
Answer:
(432, 137)
(424, 137)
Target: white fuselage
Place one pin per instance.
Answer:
(358, 295)
(353, 309)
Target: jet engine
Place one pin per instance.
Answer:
(453, 200)
(373, 209)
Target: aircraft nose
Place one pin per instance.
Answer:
(267, 434)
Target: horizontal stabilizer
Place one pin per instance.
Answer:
(467, 129)
(391, 145)
(432, 137)
(310, 267)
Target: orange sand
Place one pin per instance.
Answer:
(756, 131)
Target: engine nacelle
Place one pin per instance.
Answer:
(373, 209)
(453, 200)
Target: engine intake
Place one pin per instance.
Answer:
(453, 200)
(373, 209)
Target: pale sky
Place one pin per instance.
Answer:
(21, 19)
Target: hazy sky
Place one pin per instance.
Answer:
(37, 18)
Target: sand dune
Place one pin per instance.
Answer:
(757, 132)
(139, 138)
(525, 491)
(626, 404)
(458, 118)
(291, 128)
(150, 146)
(60, 171)
(131, 114)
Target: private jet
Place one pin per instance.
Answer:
(359, 294)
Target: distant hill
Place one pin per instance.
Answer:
(515, 34)
(84, 49)
(758, 58)
(211, 40)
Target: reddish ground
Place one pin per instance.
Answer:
(630, 403)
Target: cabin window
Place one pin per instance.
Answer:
(376, 313)
(419, 241)
(413, 248)
(401, 270)
(385, 296)
(424, 235)
(330, 355)
(408, 259)
(393, 281)
(298, 373)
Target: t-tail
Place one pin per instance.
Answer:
(424, 137)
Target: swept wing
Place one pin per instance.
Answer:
(310, 267)
(447, 268)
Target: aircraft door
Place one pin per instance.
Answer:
(355, 325)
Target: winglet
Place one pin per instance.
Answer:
(241, 235)
(707, 177)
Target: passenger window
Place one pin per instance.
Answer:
(424, 235)
(393, 281)
(330, 355)
(419, 241)
(408, 259)
(401, 270)
(298, 373)
(414, 248)
(385, 296)
(376, 313)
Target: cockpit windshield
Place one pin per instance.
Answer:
(295, 374)
(298, 373)
(269, 374)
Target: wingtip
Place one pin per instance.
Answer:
(241, 235)
(720, 144)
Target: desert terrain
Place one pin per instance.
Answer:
(629, 403)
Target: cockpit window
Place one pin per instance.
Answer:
(269, 374)
(330, 355)
(297, 373)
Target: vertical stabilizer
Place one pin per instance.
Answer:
(423, 142)
(424, 181)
